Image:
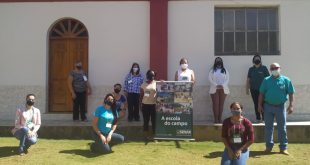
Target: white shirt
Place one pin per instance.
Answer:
(185, 75)
(218, 78)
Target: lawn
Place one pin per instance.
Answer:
(64, 152)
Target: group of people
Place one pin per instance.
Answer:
(269, 94)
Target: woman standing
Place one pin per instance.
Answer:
(27, 124)
(104, 124)
(238, 135)
(219, 78)
(148, 100)
(256, 75)
(133, 82)
(184, 73)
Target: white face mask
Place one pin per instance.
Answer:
(184, 66)
(135, 69)
(275, 72)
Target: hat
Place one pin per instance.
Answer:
(275, 65)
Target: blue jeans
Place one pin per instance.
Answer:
(278, 112)
(24, 141)
(99, 147)
(240, 161)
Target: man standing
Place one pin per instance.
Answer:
(274, 92)
(79, 86)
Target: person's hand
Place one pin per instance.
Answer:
(247, 92)
(109, 137)
(290, 109)
(31, 134)
(88, 91)
(260, 109)
(231, 154)
(238, 154)
(103, 139)
(73, 95)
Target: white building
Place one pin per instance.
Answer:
(39, 41)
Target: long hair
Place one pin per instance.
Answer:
(131, 70)
(220, 61)
(113, 106)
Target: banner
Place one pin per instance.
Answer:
(174, 110)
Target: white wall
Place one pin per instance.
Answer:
(118, 36)
(191, 35)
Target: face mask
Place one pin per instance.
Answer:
(256, 62)
(135, 69)
(30, 102)
(184, 66)
(117, 90)
(275, 72)
(108, 103)
(236, 112)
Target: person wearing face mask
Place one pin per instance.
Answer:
(27, 124)
(133, 82)
(219, 78)
(121, 101)
(148, 100)
(256, 75)
(184, 73)
(104, 125)
(237, 135)
(79, 87)
(274, 91)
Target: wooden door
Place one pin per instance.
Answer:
(65, 51)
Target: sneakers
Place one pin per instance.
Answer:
(284, 152)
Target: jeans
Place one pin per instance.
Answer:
(79, 106)
(24, 141)
(148, 111)
(240, 161)
(133, 106)
(255, 94)
(278, 112)
(99, 147)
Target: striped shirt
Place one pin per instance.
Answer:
(133, 83)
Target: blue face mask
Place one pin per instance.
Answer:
(236, 112)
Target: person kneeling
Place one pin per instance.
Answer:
(238, 135)
(27, 123)
(104, 125)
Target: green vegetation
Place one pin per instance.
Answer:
(64, 152)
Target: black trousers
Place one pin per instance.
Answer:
(255, 94)
(79, 106)
(148, 111)
(133, 106)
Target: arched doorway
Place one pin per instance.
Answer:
(68, 43)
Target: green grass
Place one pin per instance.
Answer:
(64, 152)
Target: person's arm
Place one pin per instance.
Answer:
(96, 129)
(88, 88)
(247, 89)
(176, 76)
(37, 123)
(249, 131)
(260, 102)
(227, 78)
(70, 80)
(290, 106)
(193, 77)
(225, 140)
(211, 78)
(109, 137)
(126, 86)
(141, 97)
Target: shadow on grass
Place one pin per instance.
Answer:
(8, 151)
(253, 154)
(85, 153)
(213, 155)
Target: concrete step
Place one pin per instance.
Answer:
(298, 132)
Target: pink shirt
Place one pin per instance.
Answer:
(22, 115)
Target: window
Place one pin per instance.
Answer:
(245, 31)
